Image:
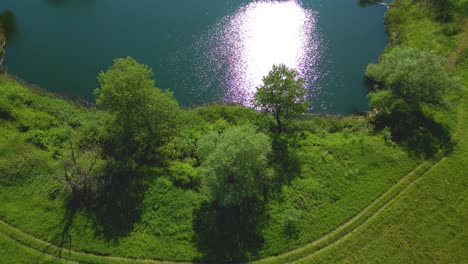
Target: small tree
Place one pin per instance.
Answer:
(283, 95)
(408, 78)
(81, 173)
(234, 164)
(142, 114)
(408, 83)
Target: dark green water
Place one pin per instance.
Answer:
(62, 45)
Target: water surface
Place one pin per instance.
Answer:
(205, 50)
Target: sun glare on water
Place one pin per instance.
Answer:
(259, 35)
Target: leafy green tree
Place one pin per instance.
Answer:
(282, 94)
(234, 164)
(409, 84)
(407, 79)
(142, 115)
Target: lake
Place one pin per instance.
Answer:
(204, 50)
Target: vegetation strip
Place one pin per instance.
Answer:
(363, 224)
(327, 240)
(66, 254)
(362, 217)
(356, 222)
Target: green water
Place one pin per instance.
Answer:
(62, 45)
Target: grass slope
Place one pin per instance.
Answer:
(14, 252)
(346, 175)
(345, 166)
(427, 223)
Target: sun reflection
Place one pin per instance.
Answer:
(232, 58)
(261, 34)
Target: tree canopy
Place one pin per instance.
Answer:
(142, 114)
(234, 164)
(409, 78)
(282, 94)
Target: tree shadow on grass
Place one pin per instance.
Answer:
(285, 162)
(113, 208)
(234, 234)
(64, 239)
(117, 206)
(225, 235)
(419, 134)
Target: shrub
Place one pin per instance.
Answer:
(38, 138)
(184, 174)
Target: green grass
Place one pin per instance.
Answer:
(348, 173)
(344, 167)
(14, 252)
(427, 223)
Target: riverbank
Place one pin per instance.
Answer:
(342, 165)
(350, 193)
(427, 222)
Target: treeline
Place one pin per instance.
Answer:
(144, 126)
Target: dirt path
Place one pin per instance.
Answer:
(308, 250)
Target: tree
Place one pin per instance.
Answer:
(409, 84)
(81, 173)
(408, 78)
(282, 94)
(142, 115)
(234, 164)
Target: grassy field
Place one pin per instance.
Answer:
(338, 178)
(343, 165)
(427, 223)
(14, 252)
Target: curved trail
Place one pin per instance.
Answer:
(371, 211)
(355, 223)
(362, 225)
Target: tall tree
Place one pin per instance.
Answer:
(234, 164)
(283, 95)
(142, 115)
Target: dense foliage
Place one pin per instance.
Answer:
(409, 86)
(161, 210)
(142, 115)
(150, 200)
(235, 164)
(407, 78)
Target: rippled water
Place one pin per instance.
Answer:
(260, 35)
(204, 50)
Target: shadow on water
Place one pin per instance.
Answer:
(9, 24)
(229, 234)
